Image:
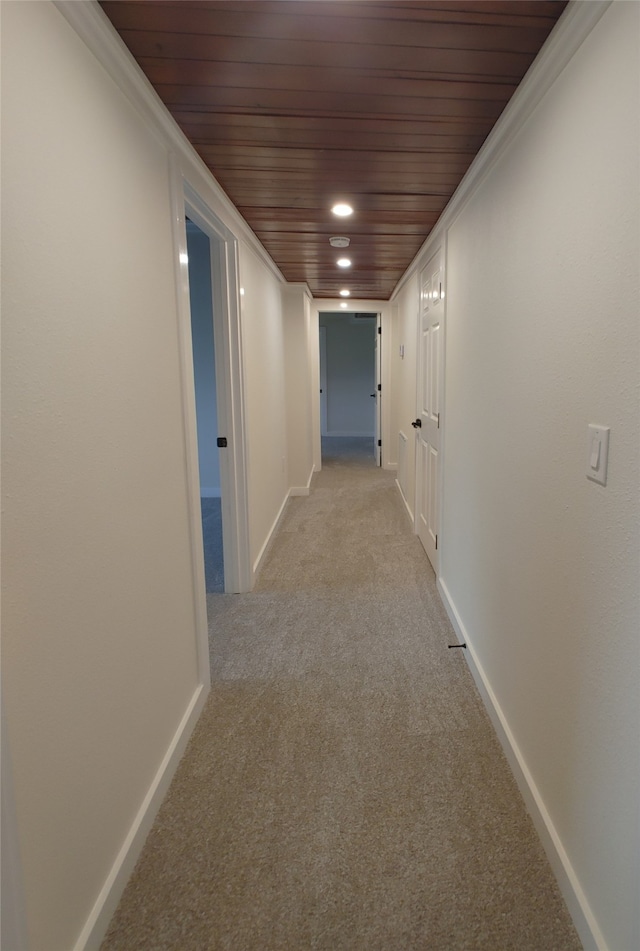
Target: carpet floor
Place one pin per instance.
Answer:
(344, 789)
(212, 542)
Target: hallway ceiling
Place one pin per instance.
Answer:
(296, 105)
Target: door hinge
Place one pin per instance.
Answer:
(438, 415)
(221, 442)
(380, 443)
(380, 329)
(379, 387)
(436, 542)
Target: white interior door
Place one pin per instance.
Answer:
(377, 442)
(427, 423)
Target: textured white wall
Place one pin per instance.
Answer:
(204, 359)
(542, 565)
(265, 403)
(99, 650)
(298, 377)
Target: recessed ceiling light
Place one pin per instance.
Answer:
(345, 293)
(344, 262)
(342, 210)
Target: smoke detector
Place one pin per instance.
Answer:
(340, 242)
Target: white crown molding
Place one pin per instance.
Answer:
(95, 29)
(570, 32)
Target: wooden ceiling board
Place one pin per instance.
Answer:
(417, 61)
(336, 78)
(335, 23)
(294, 105)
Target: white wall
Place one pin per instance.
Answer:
(99, 652)
(540, 564)
(265, 403)
(350, 374)
(204, 367)
(298, 356)
(99, 641)
(101, 601)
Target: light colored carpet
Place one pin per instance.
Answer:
(212, 543)
(344, 789)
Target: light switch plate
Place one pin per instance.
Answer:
(597, 453)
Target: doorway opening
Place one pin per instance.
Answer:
(204, 375)
(350, 394)
(214, 432)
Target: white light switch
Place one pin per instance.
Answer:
(597, 453)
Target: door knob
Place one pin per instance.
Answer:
(372, 394)
(417, 424)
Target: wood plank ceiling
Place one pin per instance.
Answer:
(296, 105)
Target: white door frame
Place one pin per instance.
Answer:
(335, 305)
(230, 393)
(225, 293)
(377, 375)
(323, 380)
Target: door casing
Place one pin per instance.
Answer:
(229, 388)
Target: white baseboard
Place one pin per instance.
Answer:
(97, 923)
(574, 896)
(268, 539)
(406, 504)
(302, 489)
(208, 493)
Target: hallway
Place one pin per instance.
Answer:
(344, 789)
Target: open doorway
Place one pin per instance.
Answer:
(213, 377)
(349, 386)
(204, 374)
